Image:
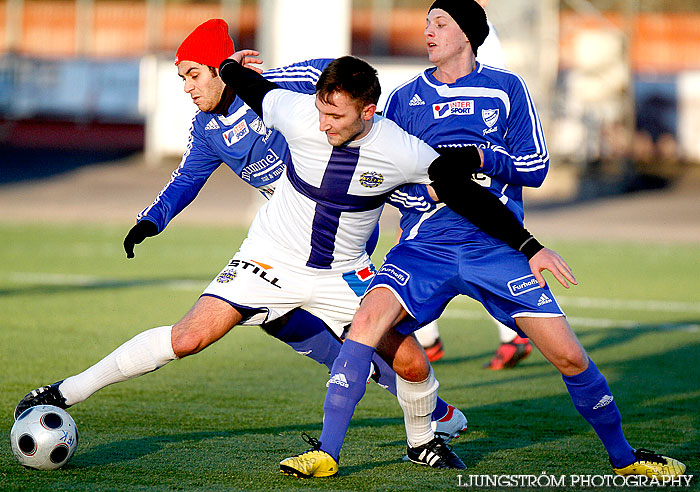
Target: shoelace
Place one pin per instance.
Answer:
(646, 455)
(311, 441)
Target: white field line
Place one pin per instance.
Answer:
(631, 304)
(627, 324)
(68, 279)
(75, 280)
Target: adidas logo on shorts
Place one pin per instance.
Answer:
(416, 101)
(543, 300)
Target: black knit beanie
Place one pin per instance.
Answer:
(469, 16)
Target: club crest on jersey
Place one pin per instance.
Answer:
(461, 107)
(258, 127)
(236, 133)
(226, 276)
(371, 179)
(490, 116)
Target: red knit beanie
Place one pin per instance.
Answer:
(209, 44)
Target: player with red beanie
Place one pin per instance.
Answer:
(209, 44)
(225, 130)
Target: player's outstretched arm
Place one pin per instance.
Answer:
(452, 183)
(247, 84)
(136, 235)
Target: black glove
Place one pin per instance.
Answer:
(137, 234)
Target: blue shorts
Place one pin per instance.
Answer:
(425, 276)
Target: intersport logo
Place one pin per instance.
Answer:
(461, 107)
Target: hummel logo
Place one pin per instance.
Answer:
(339, 379)
(604, 402)
(212, 125)
(543, 300)
(416, 101)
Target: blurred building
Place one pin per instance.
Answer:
(616, 81)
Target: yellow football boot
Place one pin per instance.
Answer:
(650, 464)
(311, 463)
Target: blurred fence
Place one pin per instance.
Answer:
(618, 91)
(82, 89)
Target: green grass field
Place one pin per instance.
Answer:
(223, 419)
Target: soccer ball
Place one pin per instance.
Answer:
(44, 437)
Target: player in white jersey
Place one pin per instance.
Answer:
(226, 131)
(306, 247)
(442, 255)
(338, 183)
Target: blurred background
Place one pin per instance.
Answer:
(617, 82)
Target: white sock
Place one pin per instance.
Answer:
(427, 335)
(504, 333)
(144, 353)
(417, 401)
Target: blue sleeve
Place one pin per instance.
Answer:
(299, 77)
(525, 160)
(409, 198)
(412, 198)
(198, 163)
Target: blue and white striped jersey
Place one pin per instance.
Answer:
(238, 139)
(329, 200)
(489, 107)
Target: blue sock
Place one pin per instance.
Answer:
(308, 335)
(386, 378)
(593, 399)
(346, 388)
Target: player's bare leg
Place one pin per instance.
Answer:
(557, 342)
(208, 320)
(592, 397)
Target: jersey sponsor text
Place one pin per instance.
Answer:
(461, 107)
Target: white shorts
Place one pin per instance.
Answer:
(265, 289)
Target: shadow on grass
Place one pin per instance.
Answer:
(134, 449)
(658, 396)
(604, 338)
(35, 288)
(659, 387)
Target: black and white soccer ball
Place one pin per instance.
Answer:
(44, 437)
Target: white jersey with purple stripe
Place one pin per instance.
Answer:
(329, 200)
(490, 108)
(238, 139)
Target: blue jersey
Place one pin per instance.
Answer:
(490, 108)
(238, 139)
